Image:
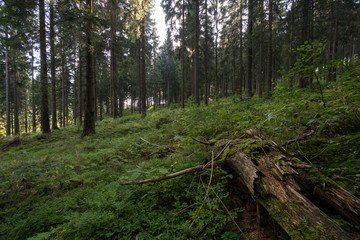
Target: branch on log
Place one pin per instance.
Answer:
(298, 138)
(173, 175)
(203, 142)
(270, 178)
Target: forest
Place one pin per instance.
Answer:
(242, 123)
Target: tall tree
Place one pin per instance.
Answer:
(33, 90)
(183, 55)
(89, 120)
(7, 79)
(16, 108)
(52, 65)
(143, 70)
(113, 65)
(196, 56)
(249, 50)
(269, 51)
(45, 123)
(241, 50)
(206, 52)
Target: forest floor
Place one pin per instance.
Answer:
(65, 187)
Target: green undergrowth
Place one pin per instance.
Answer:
(65, 187)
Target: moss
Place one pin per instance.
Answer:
(250, 146)
(227, 153)
(304, 231)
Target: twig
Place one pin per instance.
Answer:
(221, 152)
(176, 174)
(298, 138)
(173, 175)
(162, 147)
(228, 212)
(175, 214)
(319, 153)
(207, 190)
(203, 142)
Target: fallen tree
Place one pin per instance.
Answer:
(283, 185)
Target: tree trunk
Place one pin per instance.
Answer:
(248, 82)
(206, 53)
(196, 57)
(45, 123)
(89, 120)
(143, 70)
(81, 102)
(33, 91)
(279, 183)
(16, 109)
(113, 65)
(52, 67)
(183, 56)
(7, 80)
(269, 52)
(241, 52)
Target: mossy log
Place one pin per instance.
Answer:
(281, 184)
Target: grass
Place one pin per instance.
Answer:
(65, 187)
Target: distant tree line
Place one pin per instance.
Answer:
(72, 62)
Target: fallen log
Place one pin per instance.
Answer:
(271, 179)
(281, 184)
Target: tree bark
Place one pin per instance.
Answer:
(143, 70)
(52, 67)
(269, 52)
(206, 53)
(7, 80)
(279, 183)
(183, 56)
(16, 109)
(248, 82)
(89, 120)
(33, 91)
(45, 123)
(241, 52)
(196, 57)
(113, 65)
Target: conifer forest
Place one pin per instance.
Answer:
(179, 119)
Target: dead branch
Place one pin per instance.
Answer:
(176, 174)
(204, 142)
(173, 175)
(298, 138)
(207, 190)
(153, 144)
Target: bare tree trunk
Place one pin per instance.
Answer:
(241, 52)
(26, 111)
(269, 52)
(52, 67)
(206, 53)
(16, 109)
(248, 82)
(45, 123)
(196, 57)
(113, 65)
(63, 104)
(81, 101)
(33, 91)
(183, 57)
(89, 120)
(7, 80)
(143, 70)
(139, 77)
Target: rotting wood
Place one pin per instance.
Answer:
(281, 184)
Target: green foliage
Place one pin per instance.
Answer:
(65, 187)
